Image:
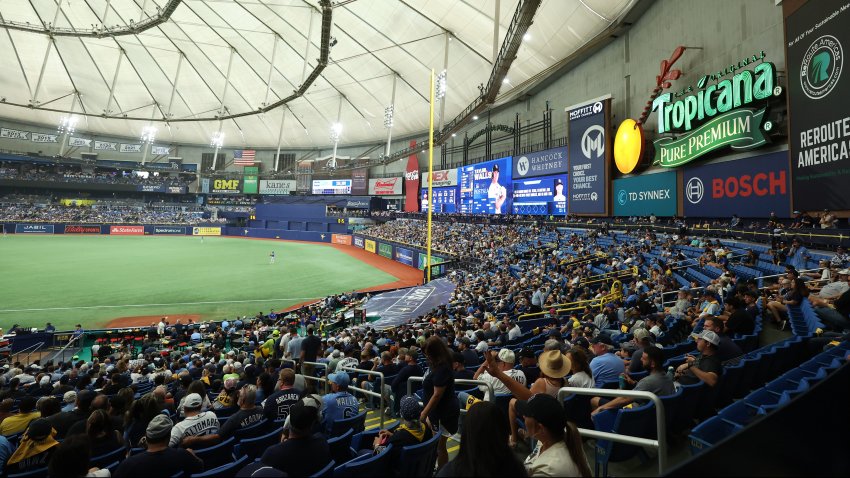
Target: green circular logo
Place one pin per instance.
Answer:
(821, 67)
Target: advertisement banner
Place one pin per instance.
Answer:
(206, 231)
(14, 133)
(589, 155)
(331, 186)
(169, 230)
(385, 187)
(411, 183)
(540, 196)
(160, 150)
(485, 188)
(79, 142)
(176, 189)
(370, 245)
(645, 195)
(423, 258)
(343, 239)
(385, 250)
(105, 146)
(44, 138)
(205, 185)
(81, 229)
(541, 163)
(33, 228)
(750, 187)
(127, 230)
(226, 186)
(360, 181)
(277, 187)
(130, 148)
(357, 203)
(249, 182)
(358, 241)
(441, 178)
(405, 256)
(444, 200)
(819, 92)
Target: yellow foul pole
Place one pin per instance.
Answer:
(429, 176)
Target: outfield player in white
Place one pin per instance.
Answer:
(271, 258)
(496, 191)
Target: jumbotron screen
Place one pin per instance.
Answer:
(485, 188)
(540, 196)
(444, 200)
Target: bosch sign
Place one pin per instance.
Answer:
(751, 187)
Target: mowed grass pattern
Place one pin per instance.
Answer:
(78, 276)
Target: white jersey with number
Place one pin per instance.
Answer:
(496, 191)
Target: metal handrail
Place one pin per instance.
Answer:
(317, 364)
(73, 339)
(458, 381)
(369, 392)
(659, 443)
(32, 348)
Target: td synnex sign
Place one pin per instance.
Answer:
(645, 195)
(750, 187)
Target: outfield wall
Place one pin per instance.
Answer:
(407, 254)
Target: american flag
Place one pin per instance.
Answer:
(244, 157)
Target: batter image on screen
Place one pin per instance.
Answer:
(559, 191)
(496, 192)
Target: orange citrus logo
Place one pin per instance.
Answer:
(628, 146)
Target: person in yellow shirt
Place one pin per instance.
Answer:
(18, 422)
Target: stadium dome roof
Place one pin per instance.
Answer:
(116, 60)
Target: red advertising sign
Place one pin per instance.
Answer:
(127, 230)
(411, 183)
(78, 229)
(344, 239)
(385, 187)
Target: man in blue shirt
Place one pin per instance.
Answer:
(339, 404)
(606, 367)
(797, 255)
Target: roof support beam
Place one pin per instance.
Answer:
(20, 64)
(392, 105)
(227, 80)
(307, 49)
(34, 100)
(271, 70)
(106, 13)
(174, 86)
(108, 110)
(496, 30)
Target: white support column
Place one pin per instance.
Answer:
(174, 86)
(34, 100)
(63, 140)
(147, 145)
(217, 147)
(332, 162)
(108, 109)
(271, 70)
(496, 32)
(105, 14)
(227, 80)
(279, 137)
(446, 71)
(307, 50)
(390, 129)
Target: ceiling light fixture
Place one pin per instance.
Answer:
(148, 134)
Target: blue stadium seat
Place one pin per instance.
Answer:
(224, 471)
(255, 447)
(374, 465)
(683, 418)
(107, 458)
(217, 455)
(340, 446)
(417, 460)
(356, 423)
(710, 432)
(326, 472)
(741, 414)
(36, 473)
(633, 422)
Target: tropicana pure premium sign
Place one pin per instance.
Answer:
(725, 108)
(717, 115)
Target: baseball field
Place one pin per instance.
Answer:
(133, 280)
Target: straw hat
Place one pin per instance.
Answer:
(554, 364)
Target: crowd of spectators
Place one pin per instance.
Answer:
(100, 214)
(74, 174)
(236, 373)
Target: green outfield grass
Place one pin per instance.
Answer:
(67, 279)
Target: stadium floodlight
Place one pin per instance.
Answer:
(68, 124)
(441, 85)
(388, 116)
(217, 140)
(336, 131)
(148, 134)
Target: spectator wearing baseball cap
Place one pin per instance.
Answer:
(707, 366)
(606, 366)
(528, 364)
(303, 453)
(37, 446)
(339, 404)
(197, 423)
(159, 460)
(559, 451)
(504, 361)
(656, 382)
